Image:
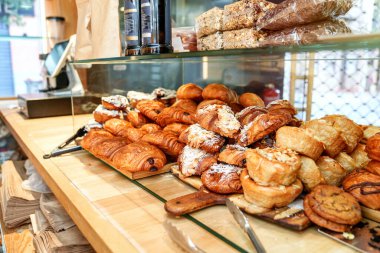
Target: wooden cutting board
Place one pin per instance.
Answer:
(292, 217)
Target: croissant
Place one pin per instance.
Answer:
(124, 129)
(94, 136)
(234, 155)
(281, 106)
(249, 114)
(177, 128)
(250, 99)
(101, 114)
(197, 137)
(150, 128)
(205, 103)
(165, 140)
(219, 119)
(261, 126)
(150, 108)
(190, 91)
(139, 157)
(220, 92)
(116, 102)
(192, 161)
(136, 118)
(174, 115)
(106, 148)
(186, 104)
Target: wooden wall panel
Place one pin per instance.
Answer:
(66, 9)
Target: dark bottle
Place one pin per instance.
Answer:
(132, 27)
(156, 29)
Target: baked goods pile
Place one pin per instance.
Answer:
(255, 23)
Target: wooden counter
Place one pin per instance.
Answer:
(117, 215)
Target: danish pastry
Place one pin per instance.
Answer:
(186, 104)
(116, 102)
(139, 157)
(373, 147)
(101, 114)
(220, 92)
(331, 170)
(219, 119)
(299, 140)
(272, 167)
(165, 140)
(250, 99)
(309, 173)
(150, 108)
(249, 114)
(177, 128)
(222, 178)
(281, 106)
(197, 137)
(174, 115)
(194, 161)
(190, 91)
(267, 196)
(234, 155)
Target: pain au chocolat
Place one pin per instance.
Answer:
(177, 128)
(150, 108)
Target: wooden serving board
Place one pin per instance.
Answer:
(371, 213)
(292, 217)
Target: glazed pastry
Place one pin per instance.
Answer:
(346, 161)
(192, 161)
(136, 118)
(150, 108)
(186, 104)
(101, 114)
(95, 135)
(250, 99)
(360, 157)
(261, 126)
(266, 196)
(177, 128)
(249, 114)
(334, 206)
(139, 157)
(205, 103)
(219, 119)
(299, 140)
(219, 92)
(172, 115)
(116, 102)
(117, 127)
(309, 173)
(272, 167)
(235, 107)
(234, 155)
(165, 140)
(197, 137)
(136, 96)
(150, 128)
(328, 135)
(373, 147)
(331, 170)
(222, 178)
(190, 91)
(373, 167)
(350, 131)
(281, 106)
(365, 187)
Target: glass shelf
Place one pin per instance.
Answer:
(341, 43)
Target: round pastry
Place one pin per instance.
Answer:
(360, 157)
(332, 203)
(250, 99)
(116, 102)
(346, 161)
(328, 135)
(350, 131)
(220, 92)
(373, 147)
(267, 196)
(222, 178)
(365, 187)
(101, 114)
(190, 91)
(299, 140)
(234, 155)
(248, 114)
(205, 103)
(193, 161)
(151, 128)
(373, 167)
(272, 167)
(309, 173)
(320, 221)
(177, 128)
(186, 104)
(331, 170)
(281, 106)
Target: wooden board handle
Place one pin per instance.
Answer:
(193, 202)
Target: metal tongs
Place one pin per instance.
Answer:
(60, 150)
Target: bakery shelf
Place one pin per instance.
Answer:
(341, 43)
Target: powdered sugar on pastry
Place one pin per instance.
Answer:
(237, 147)
(244, 131)
(137, 95)
(163, 93)
(190, 158)
(116, 100)
(226, 119)
(224, 169)
(199, 135)
(103, 110)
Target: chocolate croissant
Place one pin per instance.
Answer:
(219, 119)
(249, 114)
(150, 108)
(220, 92)
(174, 115)
(234, 155)
(165, 140)
(124, 129)
(139, 157)
(186, 104)
(136, 118)
(190, 91)
(193, 161)
(177, 128)
(106, 148)
(93, 137)
(197, 137)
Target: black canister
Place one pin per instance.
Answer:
(132, 27)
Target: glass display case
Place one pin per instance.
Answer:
(336, 75)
